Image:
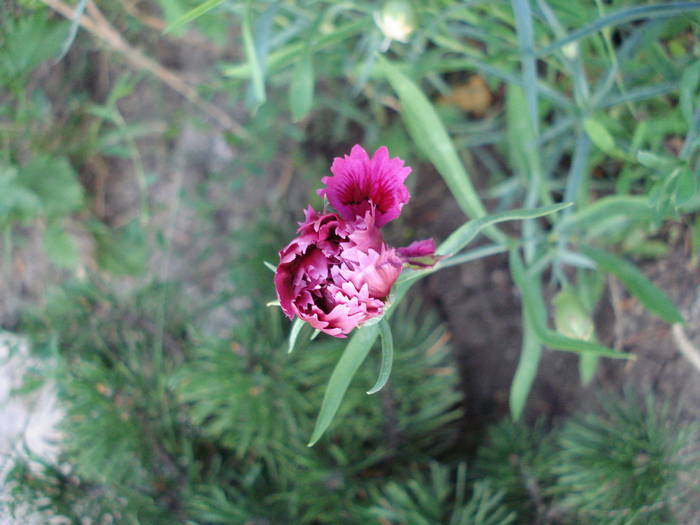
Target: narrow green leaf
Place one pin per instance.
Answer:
(636, 282)
(193, 14)
(654, 161)
(297, 327)
(290, 53)
(301, 89)
(619, 17)
(605, 209)
(468, 231)
(387, 357)
(430, 135)
(270, 266)
(587, 367)
(523, 25)
(354, 354)
(73, 30)
(536, 312)
(251, 52)
(463, 235)
(528, 364)
(688, 91)
(520, 132)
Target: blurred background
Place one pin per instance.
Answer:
(155, 154)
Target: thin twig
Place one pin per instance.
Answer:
(685, 346)
(94, 22)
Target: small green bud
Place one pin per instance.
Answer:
(397, 20)
(571, 318)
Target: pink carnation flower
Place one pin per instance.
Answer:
(360, 184)
(338, 272)
(336, 275)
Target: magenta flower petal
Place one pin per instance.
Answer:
(336, 275)
(419, 253)
(360, 185)
(418, 249)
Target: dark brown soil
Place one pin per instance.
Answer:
(481, 306)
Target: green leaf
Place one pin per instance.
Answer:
(26, 42)
(354, 354)
(193, 14)
(53, 180)
(387, 357)
(654, 161)
(587, 367)
(463, 235)
(521, 137)
(638, 285)
(687, 186)
(601, 137)
(607, 209)
(653, 11)
(257, 75)
(536, 312)
(17, 202)
(301, 89)
(430, 135)
(523, 24)
(690, 80)
(297, 327)
(290, 53)
(528, 364)
(60, 247)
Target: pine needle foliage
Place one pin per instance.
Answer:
(164, 423)
(625, 465)
(518, 459)
(433, 498)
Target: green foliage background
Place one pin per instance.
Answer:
(174, 417)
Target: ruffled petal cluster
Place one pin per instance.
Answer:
(338, 272)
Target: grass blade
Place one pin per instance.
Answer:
(636, 282)
(193, 14)
(387, 357)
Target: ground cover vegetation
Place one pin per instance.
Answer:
(154, 158)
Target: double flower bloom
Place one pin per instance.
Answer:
(338, 272)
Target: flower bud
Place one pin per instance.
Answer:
(397, 20)
(570, 316)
